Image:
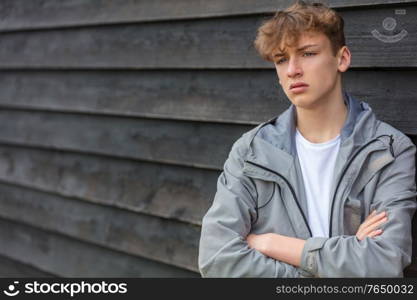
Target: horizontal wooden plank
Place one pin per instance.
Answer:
(411, 270)
(68, 257)
(11, 268)
(163, 240)
(23, 14)
(391, 95)
(211, 43)
(71, 258)
(201, 95)
(245, 96)
(57, 253)
(167, 191)
(195, 144)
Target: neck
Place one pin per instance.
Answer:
(325, 120)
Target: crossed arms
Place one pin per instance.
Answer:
(289, 249)
(229, 249)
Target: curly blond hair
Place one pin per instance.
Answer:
(285, 28)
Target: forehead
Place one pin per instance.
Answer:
(310, 38)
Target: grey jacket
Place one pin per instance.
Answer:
(261, 190)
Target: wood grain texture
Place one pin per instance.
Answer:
(195, 144)
(247, 96)
(47, 211)
(22, 14)
(171, 192)
(226, 96)
(117, 117)
(225, 43)
(411, 270)
(387, 95)
(66, 257)
(162, 240)
(12, 268)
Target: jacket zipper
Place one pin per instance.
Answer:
(337, 186)
(291, 188)
(347, 167)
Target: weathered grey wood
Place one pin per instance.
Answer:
(411, 271)
(12, 268)
(68, 257)
(225, 96)
(188, 44)
(213, 43)
(367, 51)
(245, 96)
(414, 140)
(163, 240)
(167, 191)
(23, 14)
(391, 95)
(195, 144)
(14, 205)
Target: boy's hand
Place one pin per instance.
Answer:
(260, 242)
(369, 228)
(280, 247)
(266, 242)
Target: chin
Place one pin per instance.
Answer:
(304, 100)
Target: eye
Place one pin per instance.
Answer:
(280, 61)
(309, 53)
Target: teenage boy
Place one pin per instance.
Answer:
(323, 190)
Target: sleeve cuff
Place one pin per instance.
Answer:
(309, 254)
(304, 274)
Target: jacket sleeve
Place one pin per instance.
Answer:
(223, 250)
(382, 256)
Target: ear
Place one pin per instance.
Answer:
(344, 58)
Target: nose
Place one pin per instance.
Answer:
(294, 69)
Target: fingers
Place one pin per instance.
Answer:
(374, 226)
(372, 234)
(250, 240)
(373, 213)
(369, 228)
(372, 218)
(375, 233)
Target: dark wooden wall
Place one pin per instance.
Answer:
(117, 117)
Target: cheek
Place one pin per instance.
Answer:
(323, 72)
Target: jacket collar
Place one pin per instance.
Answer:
(273, 142)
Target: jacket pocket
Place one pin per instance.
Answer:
(370, 168)
(352, 215)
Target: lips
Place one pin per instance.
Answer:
(298, 84)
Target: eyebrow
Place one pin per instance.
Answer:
(299, 49)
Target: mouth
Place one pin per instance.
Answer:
(299, 87)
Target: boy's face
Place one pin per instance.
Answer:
(311, 62)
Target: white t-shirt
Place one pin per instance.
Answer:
(317, 162)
